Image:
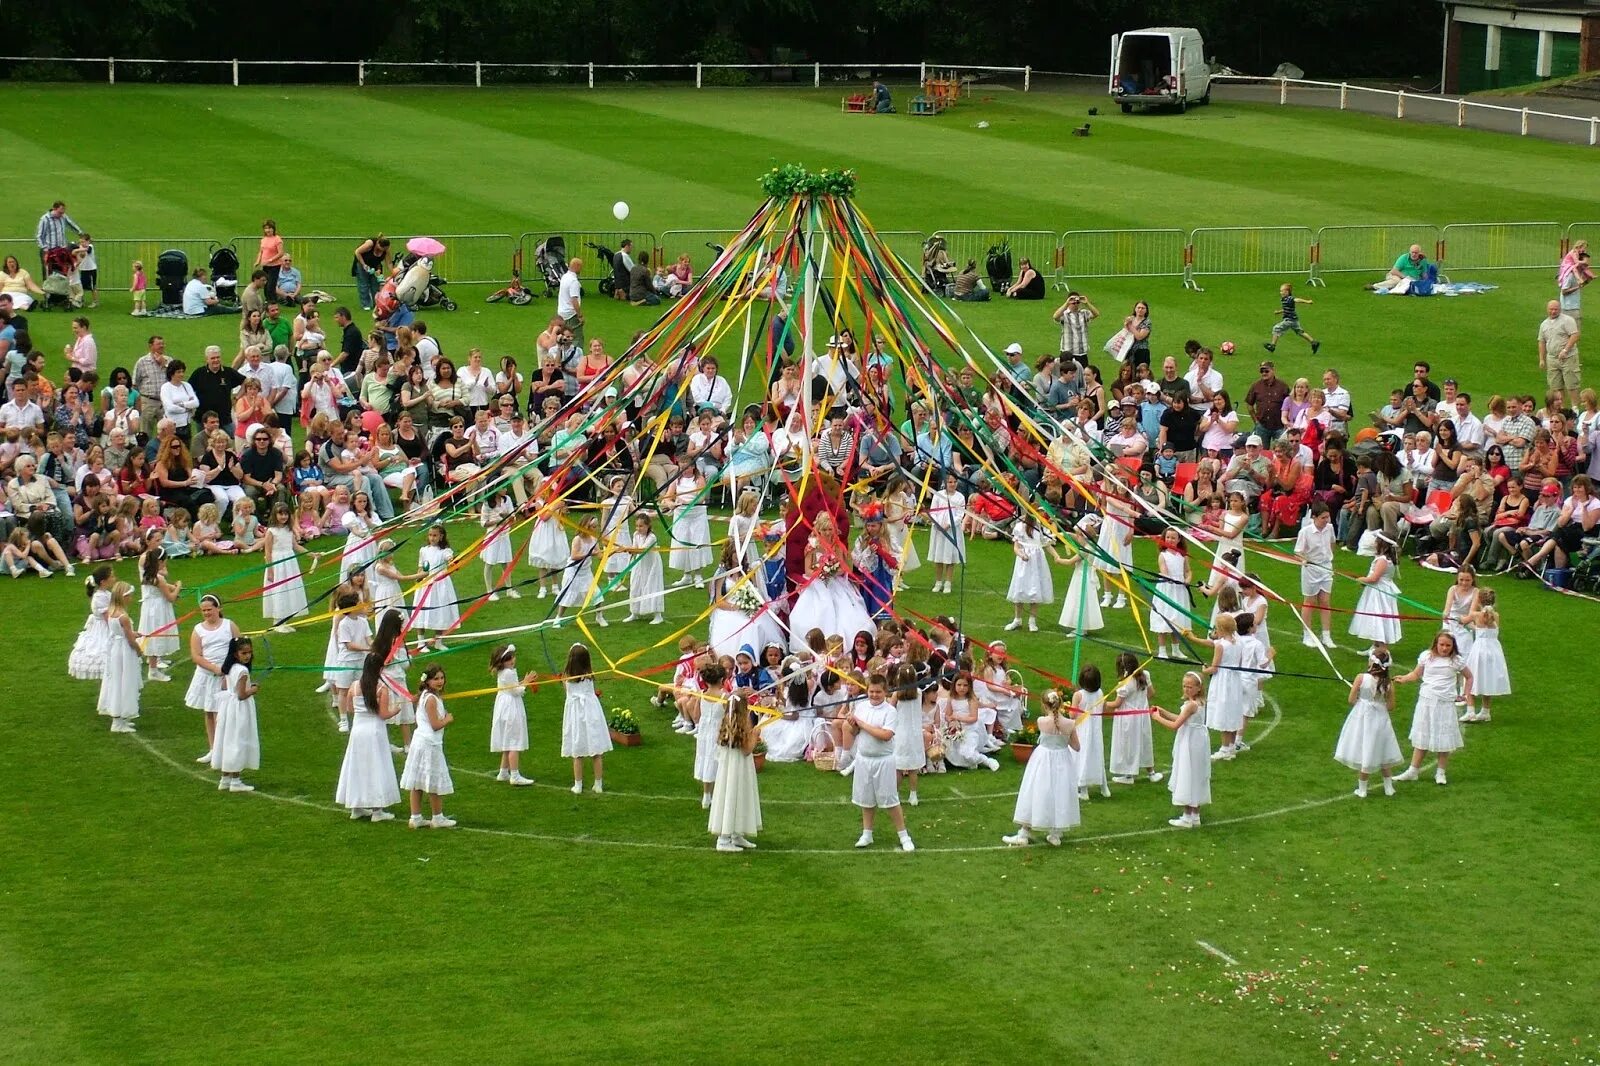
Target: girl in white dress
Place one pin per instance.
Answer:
(1190, 780)
(788, 735)
(1459, 604)
(997, 691)
(1088, 705)
(508, 734)
(578, 589)
(933, 730)
(583, 722)
(828, 600)
(691, 529)
(910, 751)
(1224, 698)
(360, 541)
(1378, 610)
(436, 610)
(1487, 660)
(87, 662)
(1048, 797)
(1031, 584)
(385, 580)
(873, 782)
(1132, 743)
(742, 529)
(388, 643)
(645, 583)
(352, 634)
(735, 801)
(1255, 662)
(1080, 608)
(947, 545)
(1115, 540)
(495, 554)
(1367, 741)
(367, 782)
(237, 746)
(1434, 728)
(286, 591)
(547, 546)
(614, 537)
(966, 747)
(713, 705)
(900, 507)
(1235, 520)
(425, 768)
(121, 680)
(158, 623)
(209, 643)
(731, 627)
(1171, 605)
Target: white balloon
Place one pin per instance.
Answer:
(620, 210)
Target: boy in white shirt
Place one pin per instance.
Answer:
(1314, 549)
(874, 781)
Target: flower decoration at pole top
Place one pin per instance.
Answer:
(792, 179)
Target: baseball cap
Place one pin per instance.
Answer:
(1551, 488)
(1267, 365)
(1129, 401)
(1013, 348)
(1252, 441)
(1151, 388)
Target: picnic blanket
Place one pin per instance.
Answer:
(1449, 288)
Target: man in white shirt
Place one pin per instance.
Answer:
(251, 365)
(1205, 381)
(1469, 427)
(1314, 549)
(569, 300)
(484, 437)
(281, 385)
(200, 298)
(20, 412)
(514, 438)
(1336, 399)
(710, 388)
(829, 374)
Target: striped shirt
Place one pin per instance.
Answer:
(831, 455)
(52, 231)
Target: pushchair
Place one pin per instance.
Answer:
(937, 269)
(224, 266)
(433, 294)
(172, 274)
(551, 257)
(59, 291)
(612, 280)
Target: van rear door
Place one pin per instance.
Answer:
(1180, 65)
(1116, 59)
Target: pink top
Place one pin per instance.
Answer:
(85, 353)
(139, 283)
(271, 253)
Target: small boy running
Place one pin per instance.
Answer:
(1289, 321)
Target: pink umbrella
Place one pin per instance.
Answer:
(424, 246)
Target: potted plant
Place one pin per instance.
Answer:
(624, 728)
(1023, 741)
(997, 264)
(760, 754)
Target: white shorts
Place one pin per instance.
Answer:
(1315, 579)
(874, 782)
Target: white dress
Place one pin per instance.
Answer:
(1378, 609)
(238, 745)
(732, 629)
(509, 729)
(385, 592)
(547, 547)
(578, 586)
(425, 769)
(583, 723)
(1115, 538)
(967, 748)
(735, 799)
(1030, 571)
(691, 529)
(366, 778)
(1080, 610)
(122, 679)
(1487, 661)
(705, 739)
(1132, 745)
(1367, 742)
(1256, 670)
(615, 533)
(1190, 780)
(831, 604)
(1455, 623)
(1048, 797)
(1173, 616)
(496, 550)
(994, 686)
(1251, 602)
(205, 686)
(909, 752)
(905, 547)
(1091, 741)
(436, 601)
(788, 738)
(155, 613)
(360, 544)
(946, 541)
(286, 591)
(1224, 693)
(645, 582)
(88, 659)
(1433, 725)
(394, 680)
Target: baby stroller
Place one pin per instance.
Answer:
(224, 267)
(172, 274)
(59, 291)
(609, 282)
(937, 269)
(433, 294)
(551, 256)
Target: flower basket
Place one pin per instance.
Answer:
(624, 728)
(626, 740)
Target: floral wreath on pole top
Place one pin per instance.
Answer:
(792, 180)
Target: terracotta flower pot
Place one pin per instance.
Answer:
(626, 740)
(761, 762)
(1021, 752)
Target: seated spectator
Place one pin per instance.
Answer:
(289, 281)
(18, 284)
(834, 448)
(1407, 270)
(641, 287)
(969, 285)
(200, 298)
(1029, 284)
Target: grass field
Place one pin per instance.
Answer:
(153, 919)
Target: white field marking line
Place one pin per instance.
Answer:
(552, 838)
(1216, 952)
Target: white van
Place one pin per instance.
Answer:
(1163, 66)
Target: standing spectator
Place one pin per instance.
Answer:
(1469, 427)
(569, 300)
(213, 385)
(280, 329)
(1074, 317)
(1265, 399)
(366, 266)
(149, 374)
(622, 268)
(88, 268)
(1558, 353)
(1179, 427)
(1336, 398)
(281, 384)
(1137, 323)
(1573, 275)
(82, 353)
(351, 343)
(1170, 384)
(253, 297)
(253, 334)
(179, 404)
(269, 257)
(51, 233)
(1204, 379)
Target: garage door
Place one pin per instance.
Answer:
(1519, 56)
(1472, 76)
